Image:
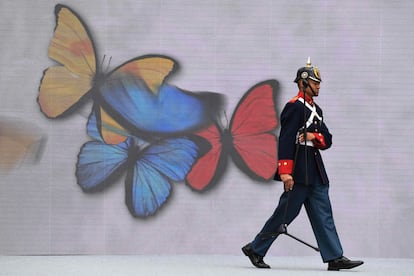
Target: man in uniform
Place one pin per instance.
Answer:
(303, 134)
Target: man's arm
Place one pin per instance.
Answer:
(291, 121)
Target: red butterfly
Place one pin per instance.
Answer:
(249, 140)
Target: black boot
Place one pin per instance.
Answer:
(256, 260)
(343, 263)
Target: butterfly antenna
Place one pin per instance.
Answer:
(108, 64)
(103, 60)
(219, 120)
(225, 117)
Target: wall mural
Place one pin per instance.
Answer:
(150, 130)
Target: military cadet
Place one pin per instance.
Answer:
(300, 167)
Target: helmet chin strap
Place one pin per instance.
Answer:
(305, 85)
(313, 92)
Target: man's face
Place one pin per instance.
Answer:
(314, 92)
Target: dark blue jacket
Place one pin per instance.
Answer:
(292, 156)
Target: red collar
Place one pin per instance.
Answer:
(308, 99)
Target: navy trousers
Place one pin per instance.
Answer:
(315, 198)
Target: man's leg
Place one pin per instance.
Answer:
(287, 210)
(319, 210)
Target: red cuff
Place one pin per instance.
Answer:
(319, 141)
(285, 166)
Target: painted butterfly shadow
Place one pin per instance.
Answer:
(21, 142)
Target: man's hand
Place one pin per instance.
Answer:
(309, 137)
(287, 181)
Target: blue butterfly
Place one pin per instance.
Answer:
(168, 111)
(150, 168)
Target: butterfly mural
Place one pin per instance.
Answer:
(142, 126)
(150, 168)
(127, 97)
(138, 123)
(249, 140)
(20, 142)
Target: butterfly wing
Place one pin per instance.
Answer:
(103, 128)
(171, 112)
(92, 127)
(20, 141)
(209, 167)
(148, 183)
(111, 131)
(63, 85)
(252, 126)
(98, 164)
(136, 95)
(151, 69)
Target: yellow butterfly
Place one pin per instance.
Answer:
(64, 86)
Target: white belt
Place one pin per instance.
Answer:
(308, 144)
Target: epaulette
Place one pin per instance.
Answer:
(294, 99)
